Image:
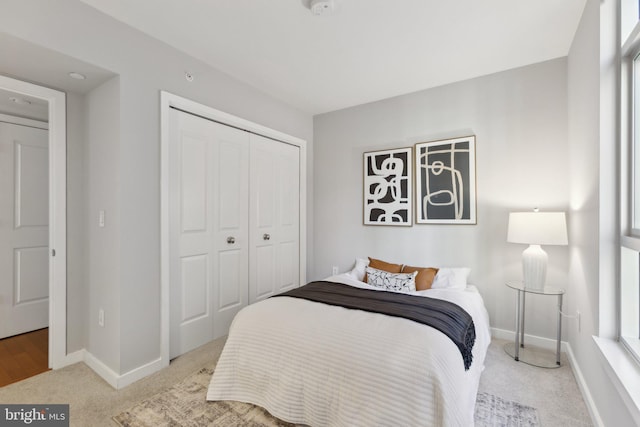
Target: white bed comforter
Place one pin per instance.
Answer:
(322, 365)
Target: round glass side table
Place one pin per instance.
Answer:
(532, 355)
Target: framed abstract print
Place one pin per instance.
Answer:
(387, 187)
(446, 181)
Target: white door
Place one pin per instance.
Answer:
(208, 179)
(24, 229)
(274, 218)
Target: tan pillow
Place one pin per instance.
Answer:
(384, 266)
(425, 276)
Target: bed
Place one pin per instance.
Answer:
(318, 364)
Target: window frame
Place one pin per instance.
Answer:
(630, 177)
(630, 135)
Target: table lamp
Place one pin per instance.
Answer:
(535, 229)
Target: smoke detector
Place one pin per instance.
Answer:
(321, 7)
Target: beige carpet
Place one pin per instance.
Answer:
(184, 404)
(553, 392)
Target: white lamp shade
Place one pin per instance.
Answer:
(537, 228)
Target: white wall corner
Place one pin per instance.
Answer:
(101, 369)
(584, 389)
(139, 373)
(624, 373)
(71, 358)
(120, 381)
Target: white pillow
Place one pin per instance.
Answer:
(359, 269)
(398, 282)
(451, 278)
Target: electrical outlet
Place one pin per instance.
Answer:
(578, 319)
(101, 318)
(334, 270)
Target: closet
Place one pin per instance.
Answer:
(234, 225)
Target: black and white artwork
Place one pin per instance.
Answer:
(387, 187)
(446, 181)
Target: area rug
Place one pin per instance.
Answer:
(493, 411)
(184, 404)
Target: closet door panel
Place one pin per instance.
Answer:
(289, 217)
(193, 153)
(263, 265)
(274, 220)
(262, 206)
(288, 254)
(231, 195)
(193, 183)
(208, 229)
(233, 186)
(190, 260)
(264, 185)
(229, 294)
(195, 289)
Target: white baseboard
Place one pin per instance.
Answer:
(139, 373)
(584, 389)
(536, 341)
(115, 380)
(66, 360)
(75, 357)
(101, 369)
(120, 381)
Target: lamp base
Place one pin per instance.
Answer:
(534, 267)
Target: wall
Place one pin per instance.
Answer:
(145, 66)
(593, 226)
(103, 244)
(77, 193)
(519, 118)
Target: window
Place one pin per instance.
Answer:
(629, 318)
(630, 300)
(634, 113)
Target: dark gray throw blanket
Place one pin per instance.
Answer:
(445, 316)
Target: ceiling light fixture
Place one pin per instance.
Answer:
(321, 7)
(77, 76)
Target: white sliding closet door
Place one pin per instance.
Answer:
(209, 190)
(274, 217)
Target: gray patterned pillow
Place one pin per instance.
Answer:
(399, 282)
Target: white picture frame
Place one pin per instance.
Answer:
(388, 192)
(445, 181)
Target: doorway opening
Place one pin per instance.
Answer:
(54, 249)
(24, 356)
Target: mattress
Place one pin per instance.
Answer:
(323, 365)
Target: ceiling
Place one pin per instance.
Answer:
(28, 62)
(365, 51)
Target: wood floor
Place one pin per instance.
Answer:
(23, 356)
